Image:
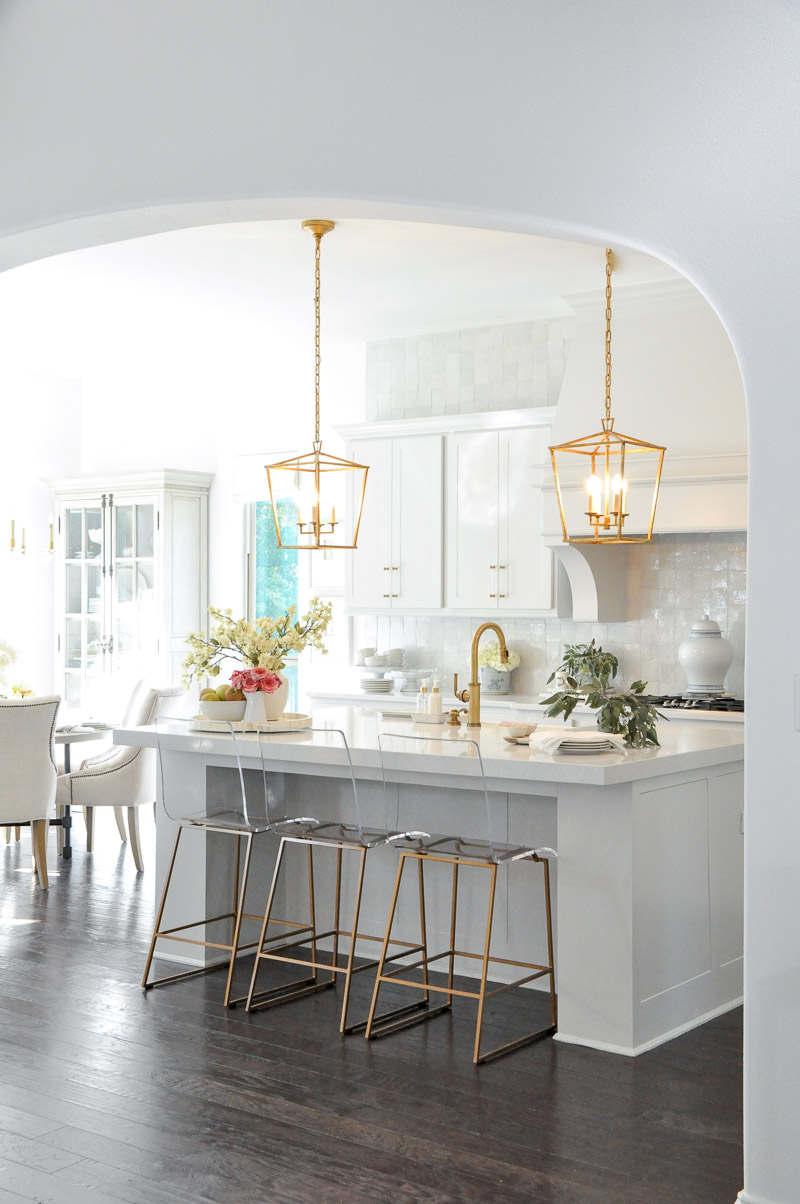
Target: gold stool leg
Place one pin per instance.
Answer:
(485, 966)
(337, 906)
(550, 959)
(453, 912)
(238, 915)
(162, 904)
(312, 911)
(423, 931)
(265, 924)
(298, 987)
(385, 947)
(352, 952)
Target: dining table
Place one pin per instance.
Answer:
(66, 737)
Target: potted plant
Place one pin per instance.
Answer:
(495, 674)
(262, 647)
(587, 672)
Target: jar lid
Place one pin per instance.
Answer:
(706, 626)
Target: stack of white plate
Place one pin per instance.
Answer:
(377, 685)
(586, 747)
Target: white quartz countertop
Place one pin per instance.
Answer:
(685, 745)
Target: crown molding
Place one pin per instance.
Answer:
(637, 298)
(175, 479)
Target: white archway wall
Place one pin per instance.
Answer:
(669, 127)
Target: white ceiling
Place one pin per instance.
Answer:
(380, 279)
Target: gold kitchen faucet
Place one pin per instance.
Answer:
(472, 696)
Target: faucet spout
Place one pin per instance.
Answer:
(474, 696)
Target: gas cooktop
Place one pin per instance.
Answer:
(725, 702)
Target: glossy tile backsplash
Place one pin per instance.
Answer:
(672, 582)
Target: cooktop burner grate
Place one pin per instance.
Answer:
(726, 703)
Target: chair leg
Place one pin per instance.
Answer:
(119, 817)
(485, 965)
(550, 959)
(133, 825)
(8, 835)
(59, 831)
(39, 841)
(88, 815)
(16, 833)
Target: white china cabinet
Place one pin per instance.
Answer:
(398, 564)
(496, 556)
(131, 578)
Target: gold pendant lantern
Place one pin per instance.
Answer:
(617, 503)
(309, 493)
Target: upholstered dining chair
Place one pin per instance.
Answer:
(28, 770)
(122, 776)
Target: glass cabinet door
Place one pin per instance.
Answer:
(109, 622)
(81, 636)
(134, 628)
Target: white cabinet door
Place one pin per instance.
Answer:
(472, 511)
(369, 566)
(416, 561)
(525, 575)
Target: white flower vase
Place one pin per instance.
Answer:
(495, 681)
(264, 708)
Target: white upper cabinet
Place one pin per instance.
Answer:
(398, 562)
(524, 562)
(496, 555)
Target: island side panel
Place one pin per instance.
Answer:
(687, 901)
(594, 951)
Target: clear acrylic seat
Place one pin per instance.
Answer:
(304, 937)
(241, 813)
(481, 851)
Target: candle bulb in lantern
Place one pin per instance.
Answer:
(595, 492)
(616, 494)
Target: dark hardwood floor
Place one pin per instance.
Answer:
(109, 1095)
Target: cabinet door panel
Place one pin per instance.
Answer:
(368, 572)
(525, 564)
(416, 562)
(472, 506)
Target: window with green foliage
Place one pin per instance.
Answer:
(276, 580)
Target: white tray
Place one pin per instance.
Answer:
(289, 719)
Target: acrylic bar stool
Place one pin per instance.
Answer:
(458, 852)
(310, 832)
(239, 818)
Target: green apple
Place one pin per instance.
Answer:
(208, 696)
(221, 690)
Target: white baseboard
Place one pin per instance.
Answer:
(745, 1198)
(633, 1051)
(194, 963)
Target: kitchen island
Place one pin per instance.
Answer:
(648, 883)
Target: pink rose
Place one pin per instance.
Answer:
(258, 678)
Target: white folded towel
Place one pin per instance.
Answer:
(550, 739)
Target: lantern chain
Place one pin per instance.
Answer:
(317, 240)
(608, 334)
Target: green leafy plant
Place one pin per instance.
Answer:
(589, 673)
(586, 663)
